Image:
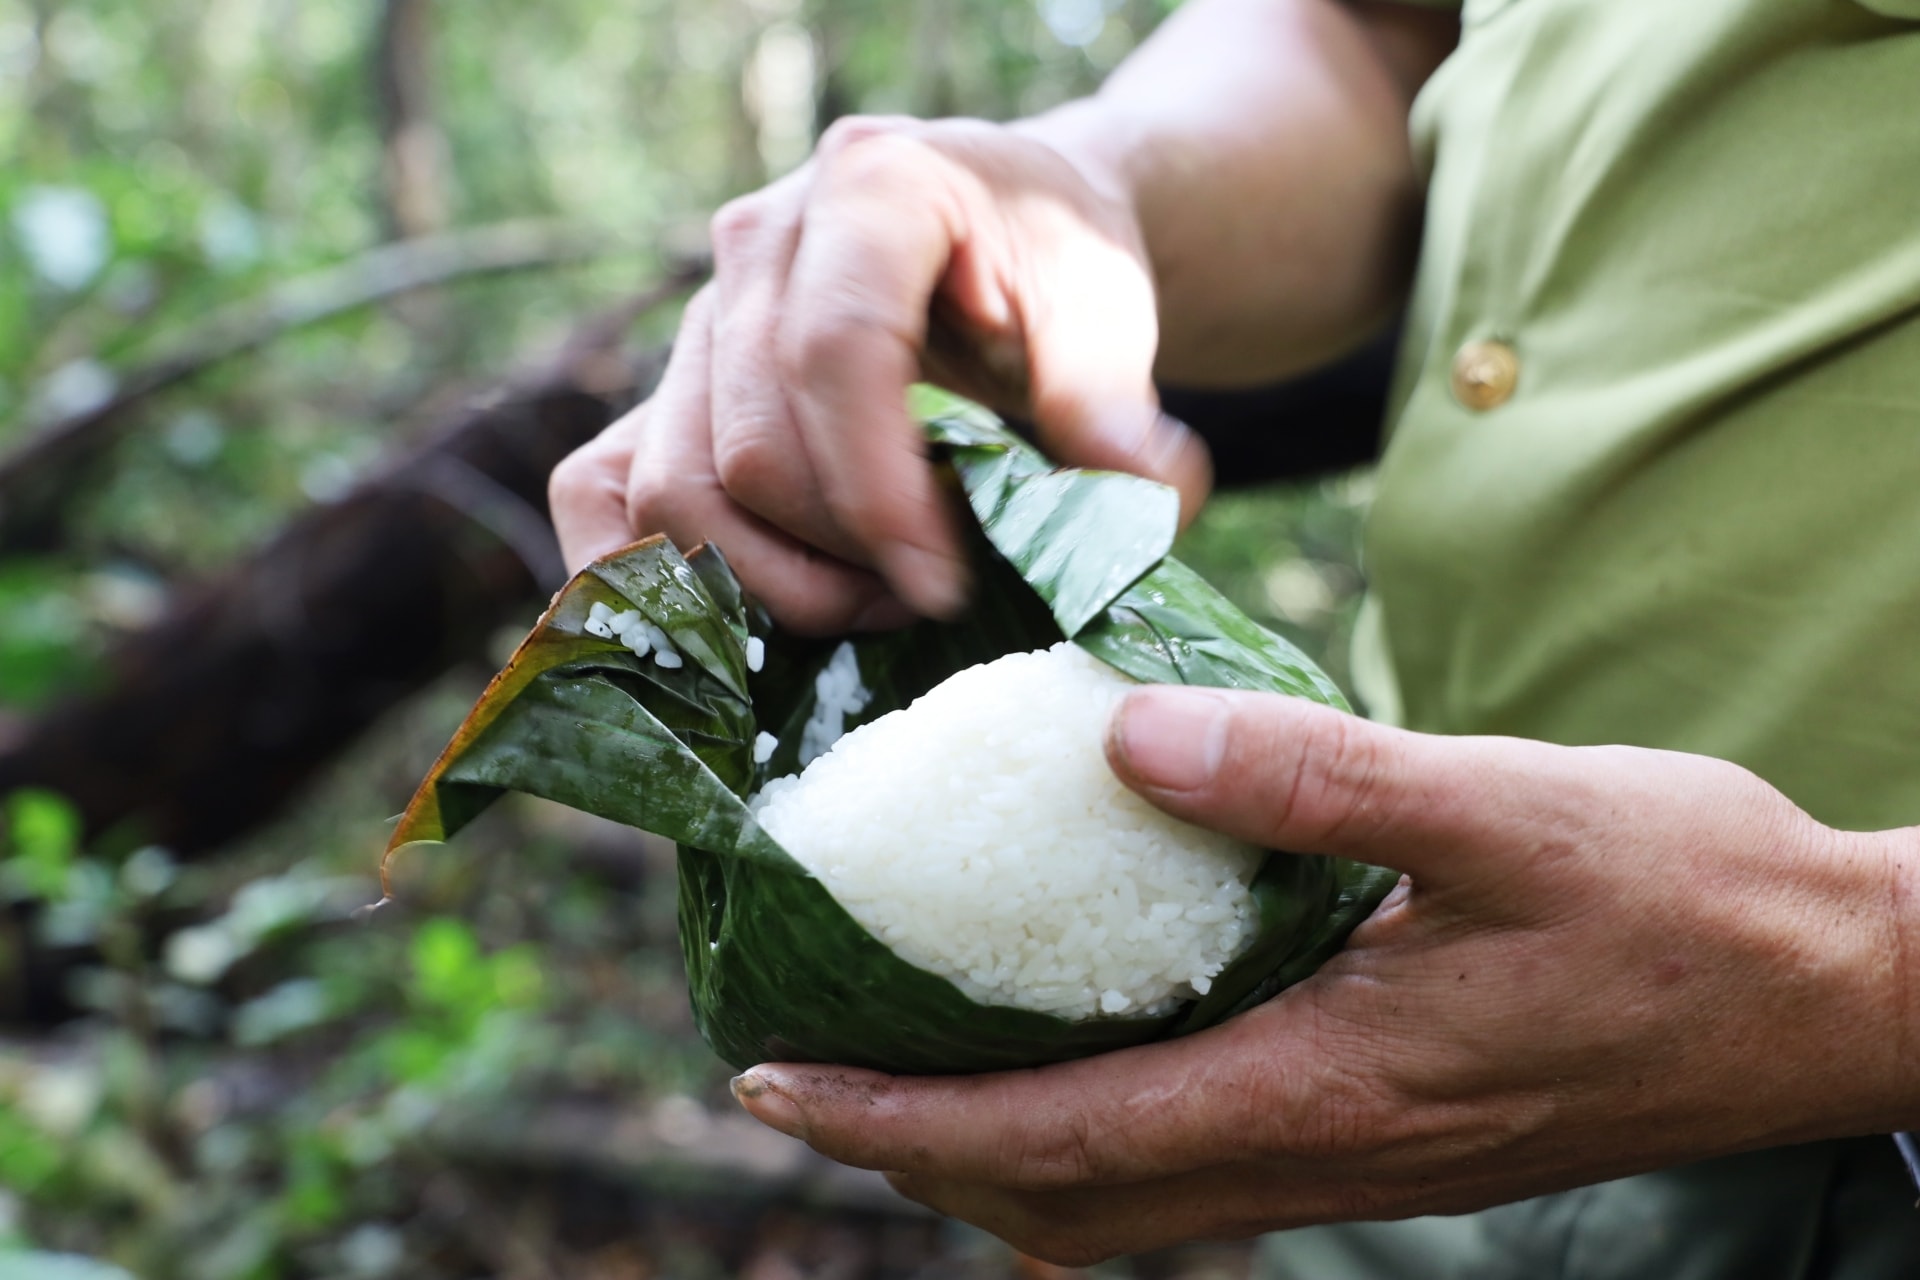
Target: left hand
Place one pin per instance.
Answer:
(1604, 960)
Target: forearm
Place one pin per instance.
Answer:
(1263, 144)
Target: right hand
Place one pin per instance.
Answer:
(779, 431)
(1605, 960)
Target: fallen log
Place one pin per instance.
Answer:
(210, 720)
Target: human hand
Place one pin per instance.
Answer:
(1604, 960)
(780, 430)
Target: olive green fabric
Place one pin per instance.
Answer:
(1695, 524)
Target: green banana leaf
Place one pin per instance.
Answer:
(778, 970)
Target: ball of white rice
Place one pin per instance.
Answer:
(980, 834)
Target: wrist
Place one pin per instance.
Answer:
(1850, 956)
(1100, 146)
(1823, 1045)
(1896, 979)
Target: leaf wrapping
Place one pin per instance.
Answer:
(778, 971)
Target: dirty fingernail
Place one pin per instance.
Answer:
(1171, 738)
(766, 1102)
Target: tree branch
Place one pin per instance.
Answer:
(37, 474)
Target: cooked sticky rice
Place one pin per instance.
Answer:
(980, 835)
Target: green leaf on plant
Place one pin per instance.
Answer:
(42, 833)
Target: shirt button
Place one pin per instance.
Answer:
(1484, 374)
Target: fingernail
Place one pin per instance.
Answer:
(1168, 439)
(1171, 738)
(933, 584)
(766, 1102)
(1146, 441)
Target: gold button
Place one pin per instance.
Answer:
(1485, 374)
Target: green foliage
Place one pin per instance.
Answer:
(1290, 557)
(463, 1002)
(29, 1159)
(374, 1037)
(42, 836)
(45, 640)
(36, 1265)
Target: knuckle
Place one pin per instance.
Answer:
(569, 483)
(1337, 1104)
(1339, 776)
(737, 224)
(877, 158)
(1343, 1122)
(836, 334)
(585, 476)
(797, 346)
(850, 130)
(651, 498)
(752, 462)
(1054, 1156)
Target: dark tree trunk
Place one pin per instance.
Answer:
(413, 150)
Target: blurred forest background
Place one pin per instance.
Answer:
(299, 300)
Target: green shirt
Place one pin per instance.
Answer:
(1677, 504)
(1696, 522)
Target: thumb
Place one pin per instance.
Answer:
(1091, 345)
(1291, 774)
